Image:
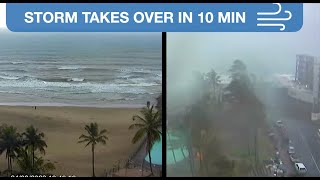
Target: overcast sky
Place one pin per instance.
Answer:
(262, 52)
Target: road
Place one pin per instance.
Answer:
(301, 130)
(303, 134)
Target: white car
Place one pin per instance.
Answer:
(318, 133)
(291, 150)
(279, 123)
(300, 168)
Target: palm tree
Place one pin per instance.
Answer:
(33, 139)
(148, 126)
(28, 164)
(10, 141)
(94, 137)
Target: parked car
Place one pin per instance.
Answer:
(278, 172)
(277, 162)
(300, 168)
(318, 133)
(271, 134)
(294, 158)
(291, 150)
(279, 124)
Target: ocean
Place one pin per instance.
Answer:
(80, 69)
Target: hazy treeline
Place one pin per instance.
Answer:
(213, 106)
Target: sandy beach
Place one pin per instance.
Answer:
(62, 127)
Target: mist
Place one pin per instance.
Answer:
(263, 53)
(232, 133)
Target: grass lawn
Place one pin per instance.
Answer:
(240, 154)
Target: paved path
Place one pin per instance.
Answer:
(301, 130)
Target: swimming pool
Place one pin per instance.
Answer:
(173, 155)
(176, 154)
(156, 153)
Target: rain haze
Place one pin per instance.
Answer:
(228, 117)
(263, 53)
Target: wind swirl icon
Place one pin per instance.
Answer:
(274, 19)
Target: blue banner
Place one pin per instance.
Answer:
(155, 17)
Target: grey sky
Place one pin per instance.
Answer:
(262, 52)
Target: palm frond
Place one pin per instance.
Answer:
(139, 135)
(90, 142)
(158, 124)
(84, 137)
(84, 140)
(103, 132)
(136, 117)
(101, 139)
(132, 126)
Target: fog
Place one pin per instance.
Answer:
(224, 128)
(263, 53)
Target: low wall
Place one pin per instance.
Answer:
(301, 94)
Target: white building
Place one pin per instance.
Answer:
(305, 84)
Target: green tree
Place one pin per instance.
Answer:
(93, 137)
(10, 142)
(32, 165)
(34, 140)
(216, 164)
(214, 80)
(221, 167)
(240, 87)
(148, 126)
(238, 70)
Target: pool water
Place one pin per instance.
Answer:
(156, 153)
(176, 155)
(173, 155)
